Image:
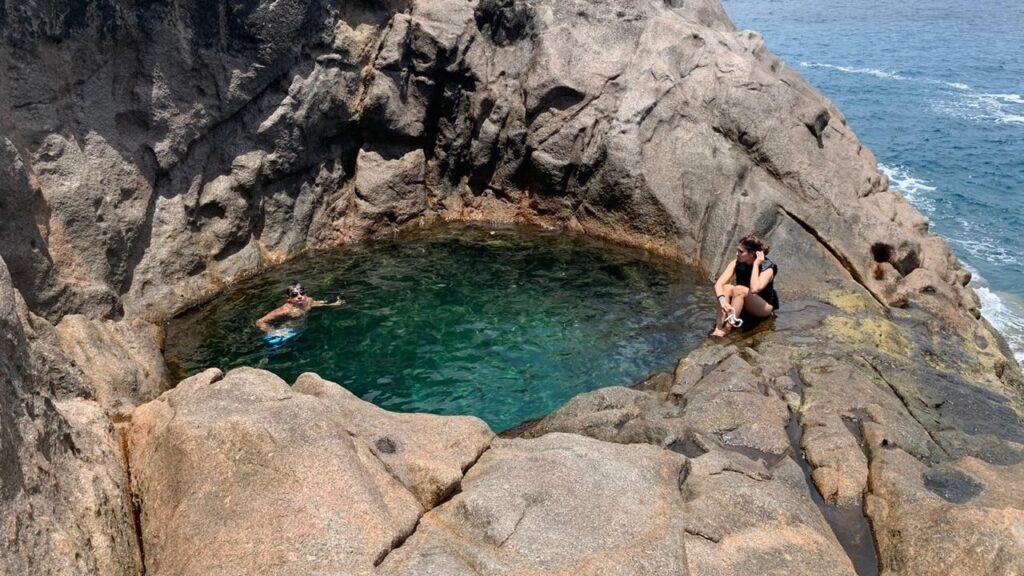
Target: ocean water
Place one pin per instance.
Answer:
(935, 89)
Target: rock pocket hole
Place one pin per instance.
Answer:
(506, 323)
(881, 252)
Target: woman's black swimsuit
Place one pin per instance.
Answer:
(768, 292)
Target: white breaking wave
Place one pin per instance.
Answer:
(1005, 313)
(966, 103)
(982, 247)
(1012, 98)
(915, 190)
(970, 240)
(851, 70)
(984, 107)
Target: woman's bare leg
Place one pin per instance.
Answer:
(756, 306)
(721, 327)
(739, 295)
(719, 330)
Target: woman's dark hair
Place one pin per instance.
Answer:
(752, 243)
(295, 290)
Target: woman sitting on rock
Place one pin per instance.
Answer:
(753, 293)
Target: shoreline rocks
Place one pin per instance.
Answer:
(151, 155)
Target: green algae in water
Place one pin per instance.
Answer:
(506, 324)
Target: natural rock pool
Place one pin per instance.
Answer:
(505, 324)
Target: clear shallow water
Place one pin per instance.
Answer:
(936, 90)
(505, 324)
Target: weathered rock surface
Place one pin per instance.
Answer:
(123, 361)
(426, 453)
(152, 153)
(917, 453)
(741, 517)
(268, 476)
(963, 516)
(188, 147)
(63, 487)
(560, 504)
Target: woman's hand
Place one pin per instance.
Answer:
(759, 256)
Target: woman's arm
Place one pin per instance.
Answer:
(730, 269)
(338, 301)
(724, 303)
(758, 279)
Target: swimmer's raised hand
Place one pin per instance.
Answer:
(336, 301)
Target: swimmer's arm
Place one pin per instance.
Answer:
(318, 303)
(265, 323)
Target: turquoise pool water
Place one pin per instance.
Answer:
(505, 324)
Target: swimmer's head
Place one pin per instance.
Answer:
(295, 290)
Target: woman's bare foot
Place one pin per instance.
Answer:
(718, 333)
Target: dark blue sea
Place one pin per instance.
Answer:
(934, 88)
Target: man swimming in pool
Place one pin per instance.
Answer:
(298, 303)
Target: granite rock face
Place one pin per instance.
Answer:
(123, 361)
(426, 453)
(152, 153)
(308, 479)
(600, 509)
(815, 449)
(63, 483)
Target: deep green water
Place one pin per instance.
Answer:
(505, 324)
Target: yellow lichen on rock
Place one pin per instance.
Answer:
(851, 302)
(879, 334)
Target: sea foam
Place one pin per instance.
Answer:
(965, 103)
(853, 70)
(913, 189)
(1001, 108)
(1005, 313)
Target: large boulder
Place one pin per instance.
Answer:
(962, 517)
(560, 504)
(264, 475)
(428, 454)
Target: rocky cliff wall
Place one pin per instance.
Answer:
(154, 151)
